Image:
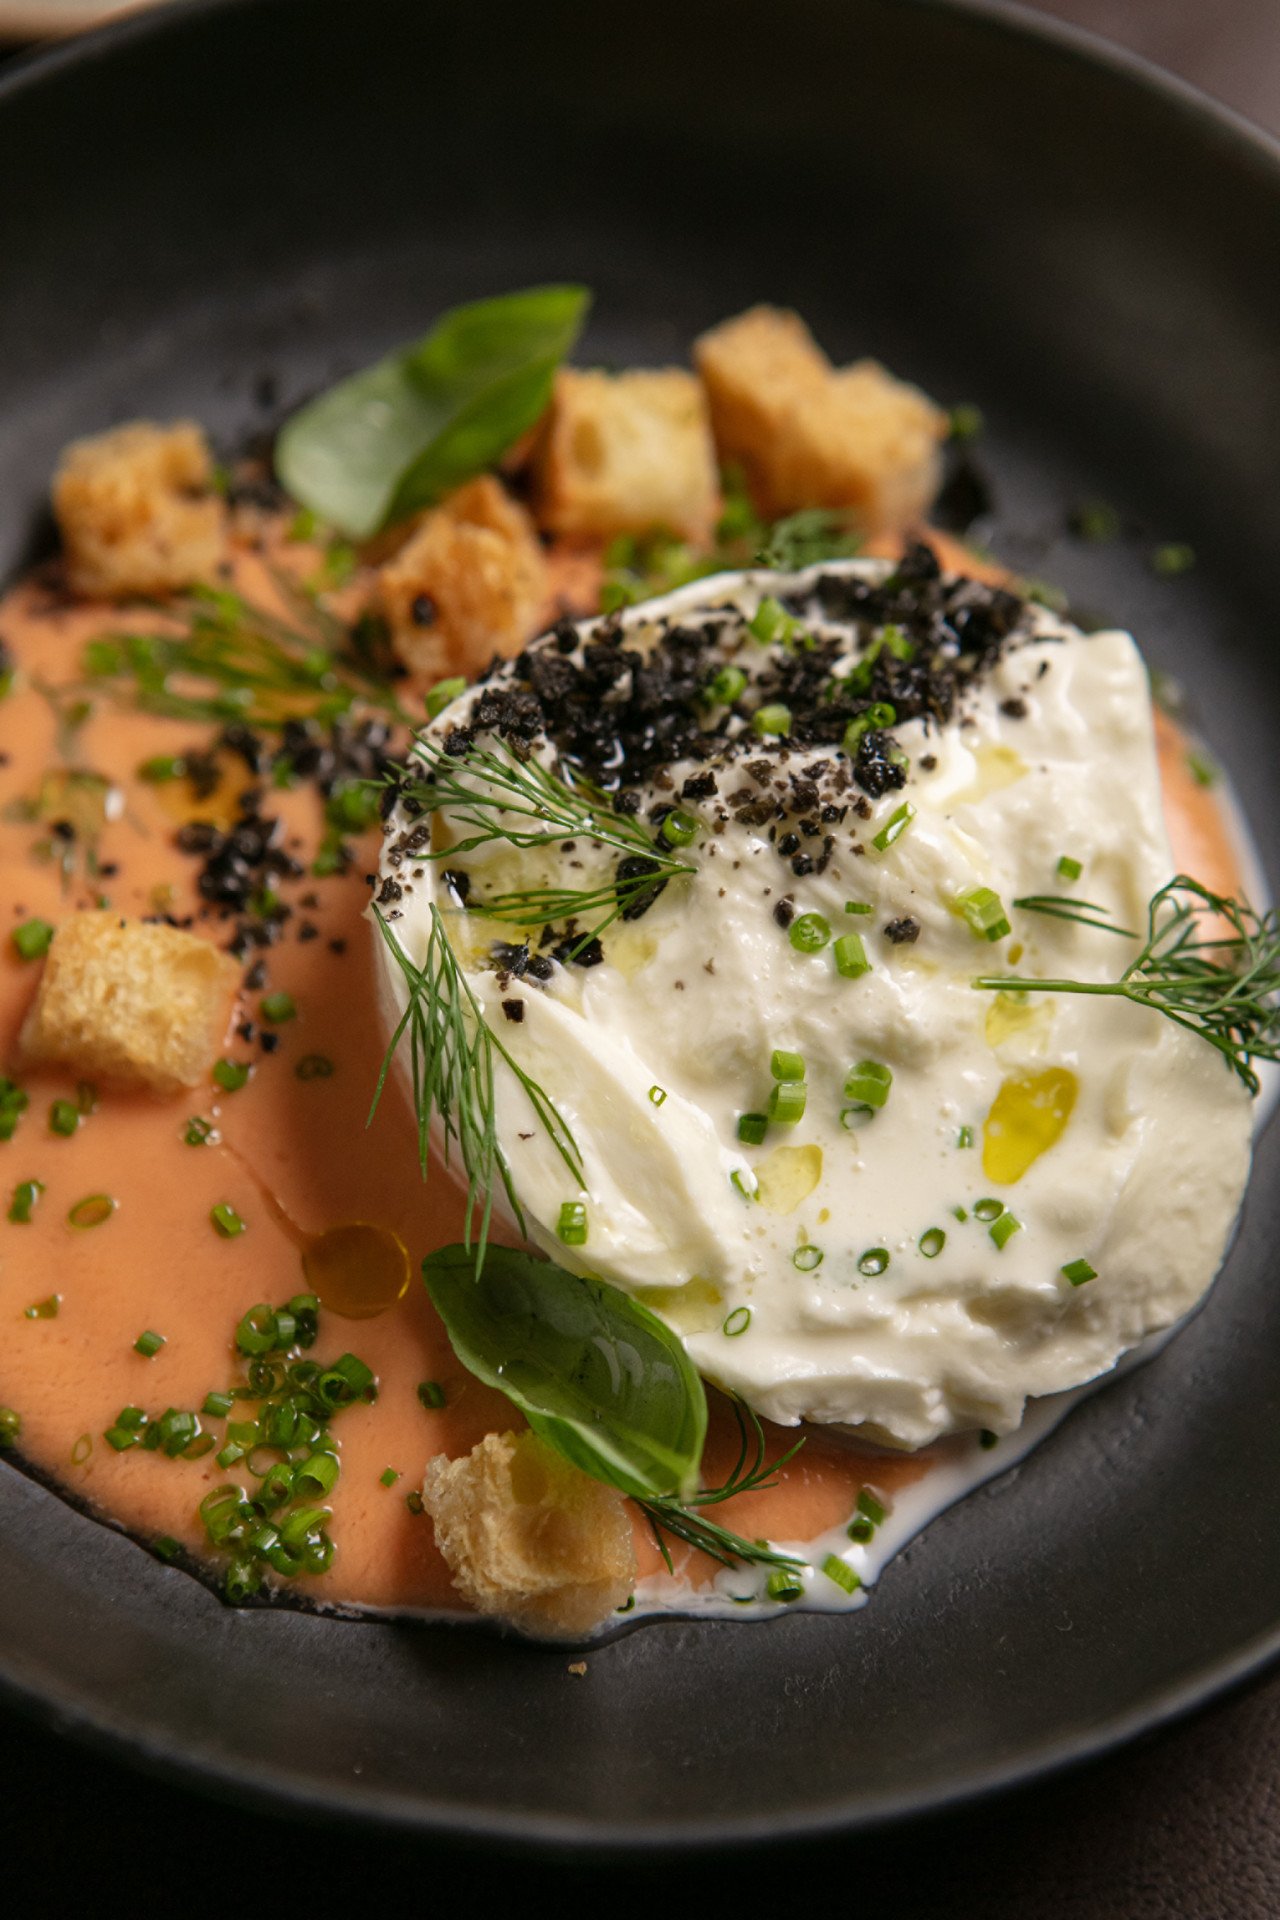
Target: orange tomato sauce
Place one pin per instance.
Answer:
(295, 1159)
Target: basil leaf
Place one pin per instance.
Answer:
(595, 1374)
(407, 430)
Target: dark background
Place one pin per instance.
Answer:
(1184, 1828)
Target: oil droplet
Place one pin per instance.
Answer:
(1028, 1116)
(1013, 1013)
(787, 1177)
(997, 767)
(695, 1307)
(357, 1270)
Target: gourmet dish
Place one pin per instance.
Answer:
(599, 1017)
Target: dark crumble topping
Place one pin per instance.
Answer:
(903, 931)
(1015, 708)
(514, 1010)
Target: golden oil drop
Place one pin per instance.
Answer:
(1028, 1116)
(357, 1270)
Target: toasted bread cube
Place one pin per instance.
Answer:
(124, 1001)
(136, 511)
(470, 581)
(810, 435)
(529, 1538)
(627, 453)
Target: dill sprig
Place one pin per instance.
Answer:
(453, 1054)
(233, 660)
(504, 798)
(685, 1521)
(1220, 984)
(1060, 906)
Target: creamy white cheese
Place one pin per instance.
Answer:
(652, 1056)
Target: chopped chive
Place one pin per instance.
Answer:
(1078, 1271)
(1003, 1229)
(86, 1097)
(771, 622)
(965, 421)
(571, 1227)
(416, 1505)
(277, 1008)
(226, 1220)
(851, 1118)
(13, 1104)
(810, 933)
(678, 828)
(165, 1547)
(1069, 869)
(82, 1449)
(984, 912)
(988, 1209)
(10, 1426)
(121, 1438)
(857, 906)
(872, 1509)
(443, 694)
(93, 1211)
(841, 1573)
(657, 1095)
(987, 1439)
(148, 1344)
(786, 1066)
(1174, 558)
(851, 956)
(873, 1261)
(64, 1118)
(736, 1322)
(388, 1477)
(964, 1138)
(163, 767)
(1095, 521)
(727, 686)
(960, 1213)
(43, 1309)
(787, 1102)
(752, 1128)
(431, 1394)
(868, 1083)
(33, 939)
(231, 1075)
(931, 1242)
(805, 1259)
(784, 1585)
(743, 1181)
(774, 718)
(199, 1132)
(894, 827)
(860, 1528)
(314, 1066)
(1202, 769)
(218, 1405)
(25, 1195)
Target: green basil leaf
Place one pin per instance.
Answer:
(595, 1374)
(407, 430)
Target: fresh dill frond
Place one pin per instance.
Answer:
(230, 659)
(1060, 906)
(803, 539)
(1210, 963)
(454, 1054)
(503, 798)
(685, 1521)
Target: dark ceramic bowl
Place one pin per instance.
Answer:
(214, 209)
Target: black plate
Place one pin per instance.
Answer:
(193, 202)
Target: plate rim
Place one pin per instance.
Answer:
(64, 1712)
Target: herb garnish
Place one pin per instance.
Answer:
(453, 1052)
(401, 433)
(1221, 986)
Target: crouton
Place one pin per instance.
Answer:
(136, 1004)
(529, 1538)
(627, 453)
(810, 435)
(470, 581)
(136, 512)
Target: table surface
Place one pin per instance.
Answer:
(1186, 1827)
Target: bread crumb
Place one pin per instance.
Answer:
(136, 511)
(807, 434)
(577, 1666)
(131, 1003)
(529, 1538)
(469, 582)
(627, 453)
